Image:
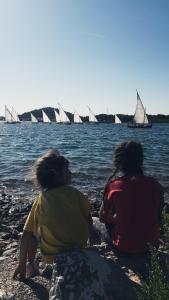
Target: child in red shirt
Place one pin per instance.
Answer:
(132, 204)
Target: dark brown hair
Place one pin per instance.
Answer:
(128, 158)
(48, 170)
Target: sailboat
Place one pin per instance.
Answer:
(11, 117)
(57, 116)
(45, 118)
(140, 119)
(34, 119)
(15, 115)
(92, 118)
(63, 116)
(117, 120)
(76, 118)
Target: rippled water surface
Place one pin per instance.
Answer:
(88, 147)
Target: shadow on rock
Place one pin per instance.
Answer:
(38, 289)
(87, 274)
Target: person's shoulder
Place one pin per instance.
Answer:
(117, 183)
(71, 189)
(149, 178)
(152, 181)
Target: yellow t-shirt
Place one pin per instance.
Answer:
(59, 217)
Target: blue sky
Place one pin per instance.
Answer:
(84, 52)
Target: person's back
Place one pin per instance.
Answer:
(59, 217)
(136, 201)
(132, 203)
(63, 219)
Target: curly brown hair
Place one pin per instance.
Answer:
(48, 170)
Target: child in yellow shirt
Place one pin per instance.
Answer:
(60, 216)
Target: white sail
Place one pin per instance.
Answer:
(11, 116)
(92, 117)
(77, 118)
(34, 119)
(140, 114)
(15, 115)
(57, 116)
(45, 117)
(145, 117)
(117, 120)
(63, 116)
(8, 116)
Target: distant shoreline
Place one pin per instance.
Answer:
(104, 118)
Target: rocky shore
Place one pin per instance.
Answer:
(125, 272)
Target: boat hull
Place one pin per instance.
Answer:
(139, 125)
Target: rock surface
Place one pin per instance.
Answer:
(89, 274)
(95, 273)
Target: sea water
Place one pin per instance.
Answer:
(88, 147)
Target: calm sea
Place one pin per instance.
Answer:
(88, 147)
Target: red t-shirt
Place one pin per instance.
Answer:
(136, 201)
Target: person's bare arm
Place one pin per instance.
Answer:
(107, 216)
(25, 246)
(102, 215)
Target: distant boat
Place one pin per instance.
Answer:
(76, 118)
(11, 116)
(63, 116)
(57, 116)
(92, 117)
(15, 114)
(140, 119)
(117, 120)
(45, 118)
(34, 119)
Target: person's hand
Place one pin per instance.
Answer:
(20, 272)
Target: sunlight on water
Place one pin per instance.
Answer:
(88, 147)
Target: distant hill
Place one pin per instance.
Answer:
(50, 113)
(101, 117)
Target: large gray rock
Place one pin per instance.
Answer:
(88, 275)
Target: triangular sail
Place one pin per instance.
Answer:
(145, 118)
(15, 115)
(77, 118)
(45, 117)
(63, 116)
(117, 120)
(92, 117)
(34, 119)
(57, 116)
(140, 114)
(9, 117)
